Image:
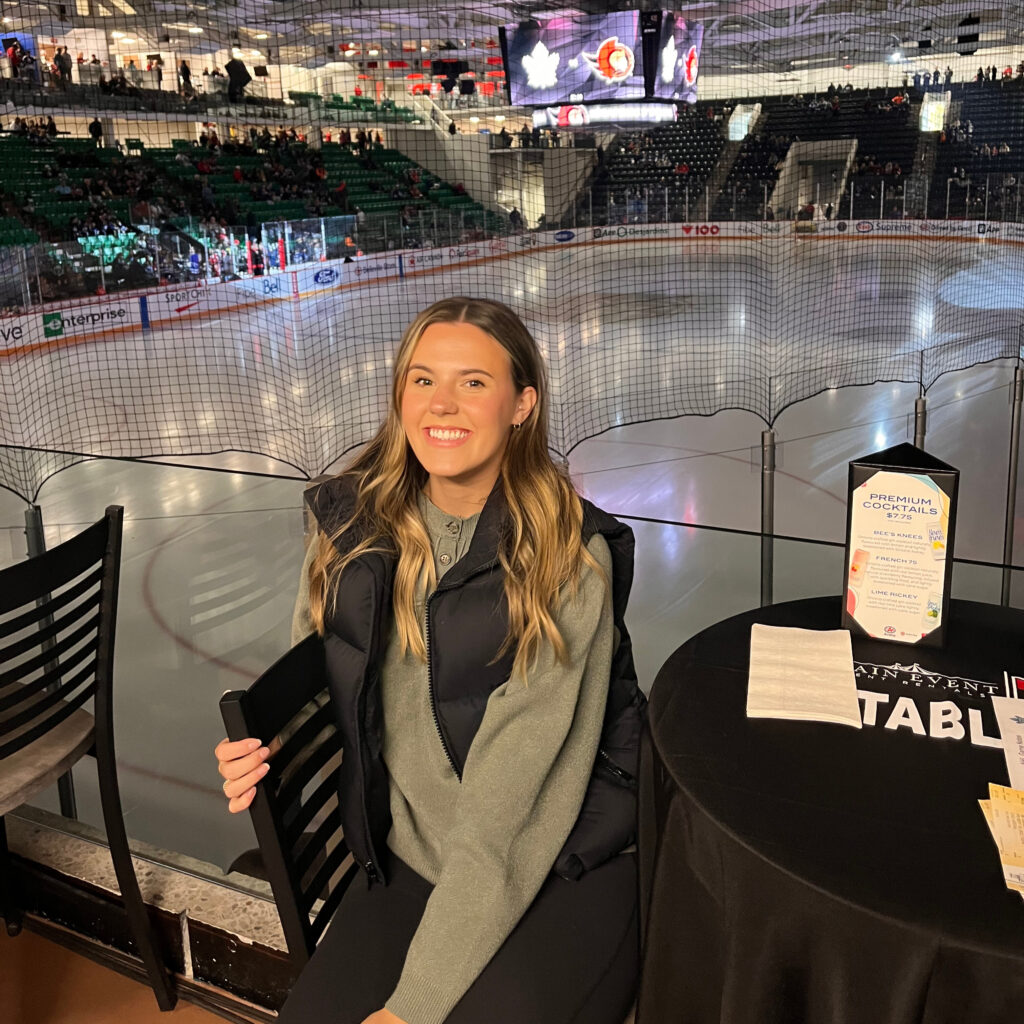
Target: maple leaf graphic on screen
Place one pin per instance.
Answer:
(541, 67)
(668, 61)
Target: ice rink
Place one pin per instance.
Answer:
(665, 361)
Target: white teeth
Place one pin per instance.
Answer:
(447, 435)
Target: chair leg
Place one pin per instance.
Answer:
(11, 913)
(134, 905)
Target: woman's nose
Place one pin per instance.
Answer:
(443, 401)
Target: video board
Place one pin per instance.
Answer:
(577, 59)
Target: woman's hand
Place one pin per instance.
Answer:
(383, 1017)
(242, 764)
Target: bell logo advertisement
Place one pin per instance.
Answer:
(900, 525)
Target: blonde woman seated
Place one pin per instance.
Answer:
(471, 605)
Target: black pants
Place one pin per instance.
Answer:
(572, 959)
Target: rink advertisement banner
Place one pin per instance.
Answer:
(900, 523)
(68, 323)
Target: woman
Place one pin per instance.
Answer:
(472, 613)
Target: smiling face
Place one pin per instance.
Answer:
(458, 406)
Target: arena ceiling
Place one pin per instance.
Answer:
(759, 36)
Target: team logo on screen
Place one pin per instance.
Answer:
(572, 117)
(541, 67)
(613, 61)
(691, 65)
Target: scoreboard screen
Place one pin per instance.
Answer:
(576, 59)
(678, 58)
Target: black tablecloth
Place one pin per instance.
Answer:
(805, 872)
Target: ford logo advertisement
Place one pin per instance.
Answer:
(564, 236)
(326, 276)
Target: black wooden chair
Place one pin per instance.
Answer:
(57, 618)
(295, 811)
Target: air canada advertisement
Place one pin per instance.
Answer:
(899, 546)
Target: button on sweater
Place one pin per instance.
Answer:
(487, 843)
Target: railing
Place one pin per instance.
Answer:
(197, 253)
(210, 603)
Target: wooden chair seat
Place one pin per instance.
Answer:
(45, 760)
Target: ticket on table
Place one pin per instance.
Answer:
(1013, 877)
(1007, 806)
(1010, 719)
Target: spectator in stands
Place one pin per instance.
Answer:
(980, 75)
(515, 219)
(94, 59)
(452, 130)
(96, 131)
(927, 78)
(949, 76)
(936, 78)
(917, 79)
(14, 56)
(185, 77)
(51, 127)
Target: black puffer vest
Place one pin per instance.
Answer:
(467, 620)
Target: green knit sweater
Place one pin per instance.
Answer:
(487, 843)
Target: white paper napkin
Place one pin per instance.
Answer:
(803, 674)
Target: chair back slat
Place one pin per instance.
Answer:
(319, 752)
(51, 607)
(58, 632)
(37, 577)
(311, 807)
(49, 651)
(14, 695)
(295, 747)
(332, 864)
(323, 916)
(298, 791)
(309, 848)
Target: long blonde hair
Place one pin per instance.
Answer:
(541, 549)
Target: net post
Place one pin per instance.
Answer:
(920, 421)
(707, 205)
(767, 515)
(949, 181)
(851, 199)
(1011, 483)
(35, 545)
(987, 193)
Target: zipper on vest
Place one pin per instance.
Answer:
(430, 690)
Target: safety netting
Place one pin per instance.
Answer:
(215, 229)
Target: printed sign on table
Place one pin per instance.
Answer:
(899, 545)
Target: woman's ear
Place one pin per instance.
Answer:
(525, 403)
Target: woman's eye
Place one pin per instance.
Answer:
(474, 383)
(421, 381)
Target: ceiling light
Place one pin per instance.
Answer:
(8, 21)
(262, 35)
(500, 117)
(475, 120)
(113, 35)
(423, 49)
(372, 53)
(195, 30)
